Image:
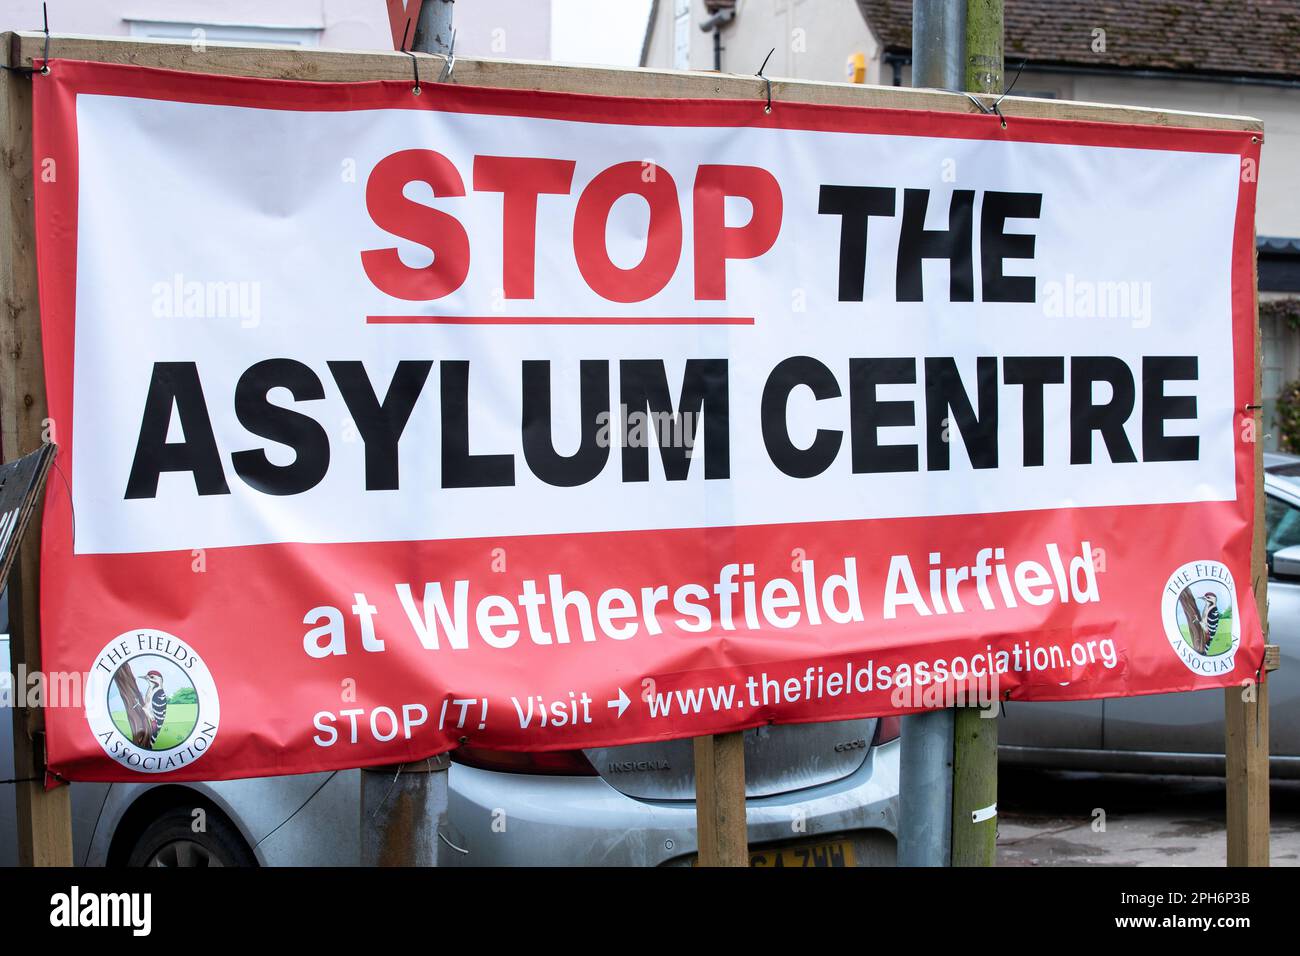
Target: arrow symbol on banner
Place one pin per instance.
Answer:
(620, 702)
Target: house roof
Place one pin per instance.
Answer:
(1278, 264)
(651, 19)
(1256, 38)
(1278, 245)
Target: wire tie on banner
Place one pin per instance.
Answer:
(67, 487)
(989, 110)
(1259, 711)
(389, 793)
(45, 60)
(994, 109)
(768, 87)
(415, 63)
(44, 68)
(459, 849)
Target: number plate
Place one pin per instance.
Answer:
(831, 853)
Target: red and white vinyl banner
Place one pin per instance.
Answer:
(532, 421)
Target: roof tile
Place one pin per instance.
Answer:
(1242, 37)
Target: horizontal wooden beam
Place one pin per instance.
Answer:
(298, 63)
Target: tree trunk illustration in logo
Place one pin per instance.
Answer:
(1187, 601)
(137, 714)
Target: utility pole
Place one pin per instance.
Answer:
(948, 775)
(433, 27)
(404, 806)
(984, 46)
(938, 44)
(975, 731)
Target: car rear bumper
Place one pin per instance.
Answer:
(499, 819)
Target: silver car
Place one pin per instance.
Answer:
(819, 795)
(1182, 733)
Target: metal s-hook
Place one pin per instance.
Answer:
(988, 110)
(450, 63)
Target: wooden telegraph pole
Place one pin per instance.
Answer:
(948, 787)
(44, 816)
(975, 731)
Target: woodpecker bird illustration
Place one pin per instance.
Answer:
(1210, 616)
(157, 705)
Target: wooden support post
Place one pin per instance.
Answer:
(720, 800)
(974, 788)
(1246, 731)
(44, 817)
(975, 731)
(1245, 709)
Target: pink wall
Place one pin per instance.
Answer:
(505, 28)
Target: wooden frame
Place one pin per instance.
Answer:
(45, 831)
(44, 817)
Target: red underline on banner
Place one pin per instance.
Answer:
(558, 320)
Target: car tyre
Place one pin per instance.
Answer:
(171, 841)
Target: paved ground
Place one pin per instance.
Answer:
(1050, 818)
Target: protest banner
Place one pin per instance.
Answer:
(537, 421)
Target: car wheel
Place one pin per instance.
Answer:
(171, 840)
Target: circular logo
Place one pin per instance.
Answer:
(151, 702)
(1199, 610)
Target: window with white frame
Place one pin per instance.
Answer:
(681, 34)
